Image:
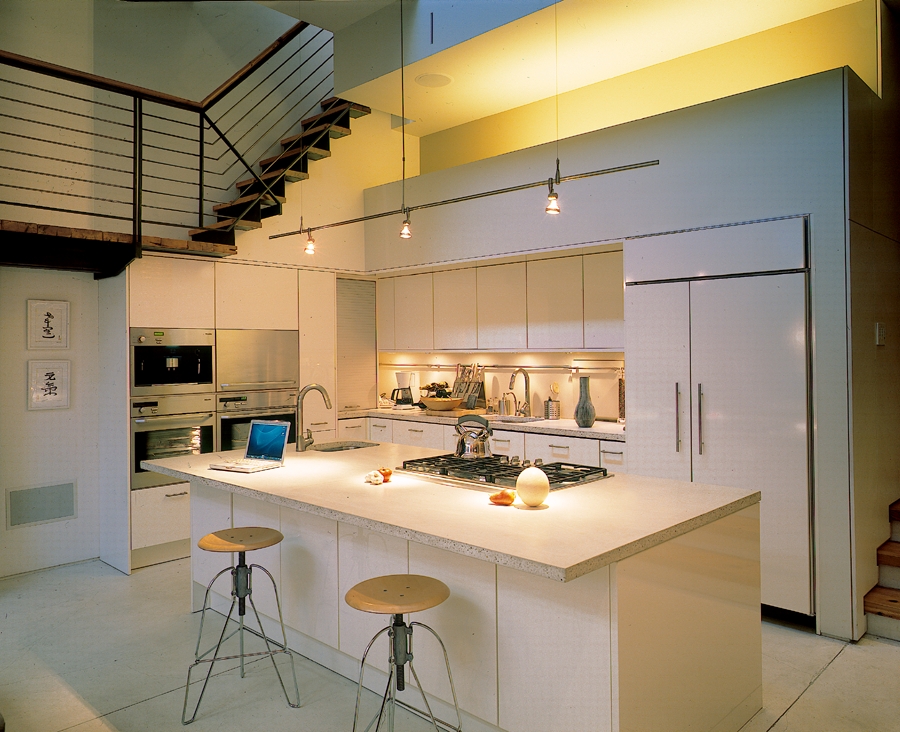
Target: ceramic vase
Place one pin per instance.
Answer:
(584, 410)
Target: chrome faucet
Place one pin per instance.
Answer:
(524, 407)
(305, 439)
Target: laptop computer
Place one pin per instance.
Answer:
(265, 448)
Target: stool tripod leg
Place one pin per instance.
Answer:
(449, 676)
(212, 662)
(204, 609)
(362, 671)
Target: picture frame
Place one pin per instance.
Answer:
(48, 324)
(48, 384)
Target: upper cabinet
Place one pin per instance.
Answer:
(604, 301)
(384, 313)
(413, 313)
(502, 319)
(255, 297)
(555, 303)
(169, 292)
(317, 344)
(455, 310)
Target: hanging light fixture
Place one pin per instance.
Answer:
(310, 243)
(405, 233)
(552, 206)
(552, 199)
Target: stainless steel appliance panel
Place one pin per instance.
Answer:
(235, 412)
(172, 361)
(163, 427)
(257, 359)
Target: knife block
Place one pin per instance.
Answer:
(471, 392)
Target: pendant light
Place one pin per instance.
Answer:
(405, 233)
(552, 206)
(310, 243)
(552, 199)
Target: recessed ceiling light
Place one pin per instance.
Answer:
(433, 81)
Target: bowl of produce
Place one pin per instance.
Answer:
(441, 403)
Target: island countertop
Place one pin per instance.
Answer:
(584, 527)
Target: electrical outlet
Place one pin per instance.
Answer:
(879, 334)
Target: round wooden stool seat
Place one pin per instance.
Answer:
(240, 539)
(397, 594)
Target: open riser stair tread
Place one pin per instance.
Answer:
(313, 134)
(884, 601)
(895, 511)
(889, 554)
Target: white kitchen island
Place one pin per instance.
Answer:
(629, 603)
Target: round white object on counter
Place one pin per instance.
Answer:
(532, 486)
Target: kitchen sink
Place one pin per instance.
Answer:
(511, 418)
(342, 445)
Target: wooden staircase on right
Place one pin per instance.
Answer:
(882, 602)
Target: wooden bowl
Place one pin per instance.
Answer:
(441, 404)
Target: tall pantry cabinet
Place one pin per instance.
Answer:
(716, 358)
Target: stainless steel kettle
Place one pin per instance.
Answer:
(473, 441)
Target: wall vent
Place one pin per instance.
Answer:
(40, 505)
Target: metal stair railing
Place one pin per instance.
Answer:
(74, 143)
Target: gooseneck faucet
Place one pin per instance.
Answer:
(524, 409)
(305, 439)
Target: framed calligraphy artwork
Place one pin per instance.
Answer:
(48, 324)
(48, 384)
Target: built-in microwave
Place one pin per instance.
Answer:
(172, 361)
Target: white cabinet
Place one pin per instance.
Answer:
(160, 514)
(353, 429)
(165, 292)
(502, 318)
(309, 591)
(413, 313)
(555, 303)
(381, 430)
(384, 313)
(316, 313)
(254, 297)
(357, 356)
(253, 512)
(450, 437)
(552, 449)
(505, 442)
(613, 456)
(604, 301)
(210, 511)
(731, 354)
(455, 310)
(420, 434)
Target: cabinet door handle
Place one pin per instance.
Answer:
(174, 495)
(380, 426)
(677, 419)
(497, 439)
(700, 418)
(412, 430)
(353, 427)
(351, 406)
(559, 447)
(612, 452)
(313, 424)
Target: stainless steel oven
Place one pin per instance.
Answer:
(172, 361)
(168, 426)
(251, 360)
(235, 411)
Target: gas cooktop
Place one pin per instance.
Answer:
(501, 470)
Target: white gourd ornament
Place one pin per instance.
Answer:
(532, 486)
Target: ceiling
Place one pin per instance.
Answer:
(332, 15)
(567, 46)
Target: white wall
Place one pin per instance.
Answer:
(51, 446)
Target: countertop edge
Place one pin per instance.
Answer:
(541, 569)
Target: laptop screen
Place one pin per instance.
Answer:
(267, 440)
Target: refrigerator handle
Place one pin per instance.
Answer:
(700, 418)
(677, 419)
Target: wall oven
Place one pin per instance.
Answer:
(172, 361)
(169, 426)
(235, 411)
(251, 360)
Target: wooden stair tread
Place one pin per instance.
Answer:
(356, 110)
(883, 601)
(267, 177)
(288, 158)
(889, 554)
(266, 198)
(242, 225)
(350, 108)
(334, 131)
(895, 511)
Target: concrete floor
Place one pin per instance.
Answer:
(84, 648)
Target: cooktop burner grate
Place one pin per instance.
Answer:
(498, 469)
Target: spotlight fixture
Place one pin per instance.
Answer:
(310, 243)
(552, 199)
(405, 233)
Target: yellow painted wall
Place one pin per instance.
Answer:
(846, 36)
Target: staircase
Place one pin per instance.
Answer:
(882, 602)
(260, 197)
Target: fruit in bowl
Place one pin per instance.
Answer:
(441, 404)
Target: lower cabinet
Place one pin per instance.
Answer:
(554, 449)
(381, 430)
(419, 434)
(504, 442)
(210, 511)
(352, 429)
(251, 512)
(613, 456)
(160, 514)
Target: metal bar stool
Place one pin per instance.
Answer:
(396, 595)
(240, 540)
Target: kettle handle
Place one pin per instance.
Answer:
(477, 419)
